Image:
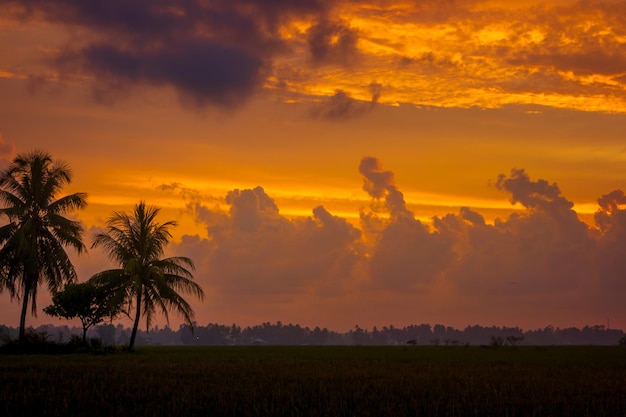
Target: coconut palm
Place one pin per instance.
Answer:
(34, 239)
(136, 242)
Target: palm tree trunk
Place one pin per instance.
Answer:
(131, 344)
(84, 341)
(23, 318)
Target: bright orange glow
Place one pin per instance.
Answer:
(455, 108)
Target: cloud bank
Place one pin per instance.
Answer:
(540, 265)
(540, 261)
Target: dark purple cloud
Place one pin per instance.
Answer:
(342, 106)
(157, 19)
(204, 72)
(211, 52)
(332, 43)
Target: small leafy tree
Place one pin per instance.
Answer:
(496, 342)
(514, 340)
(86, 301)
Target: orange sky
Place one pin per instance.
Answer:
(181, 103)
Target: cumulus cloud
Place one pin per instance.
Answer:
(610, 259)
(379, 183)
(405, 254)
(376, 182)
(541, 261)
(610, 203)
(471, 216)
(544, 249)
(249, 208)
(535, 195)
(253, 249)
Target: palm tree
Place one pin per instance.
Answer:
(34, 240)
(136, 242)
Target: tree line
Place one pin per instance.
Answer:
(214, 334)
(37, 234)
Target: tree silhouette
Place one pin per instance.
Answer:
(89, 303)
(34, 240)
(136, 242)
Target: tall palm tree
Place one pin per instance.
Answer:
(34, 240)
(136, 242)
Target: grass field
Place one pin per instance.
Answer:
(318, 381)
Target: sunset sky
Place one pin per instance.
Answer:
(342, 162)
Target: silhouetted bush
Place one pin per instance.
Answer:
(496, 342)
(35, 342)
(42, 343)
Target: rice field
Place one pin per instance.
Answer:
(318, 381)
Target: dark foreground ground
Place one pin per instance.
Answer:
(318, 381)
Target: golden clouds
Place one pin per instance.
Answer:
(6, 74)
(565, 55)
(488, 54)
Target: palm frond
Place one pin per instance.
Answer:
(14, 205)
(177, 302)
(176, 265)
(67, 232)
(7, 231)
(76, 201)
(111, 279)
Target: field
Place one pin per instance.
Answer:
(318, 381)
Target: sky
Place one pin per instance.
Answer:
(336, 163)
